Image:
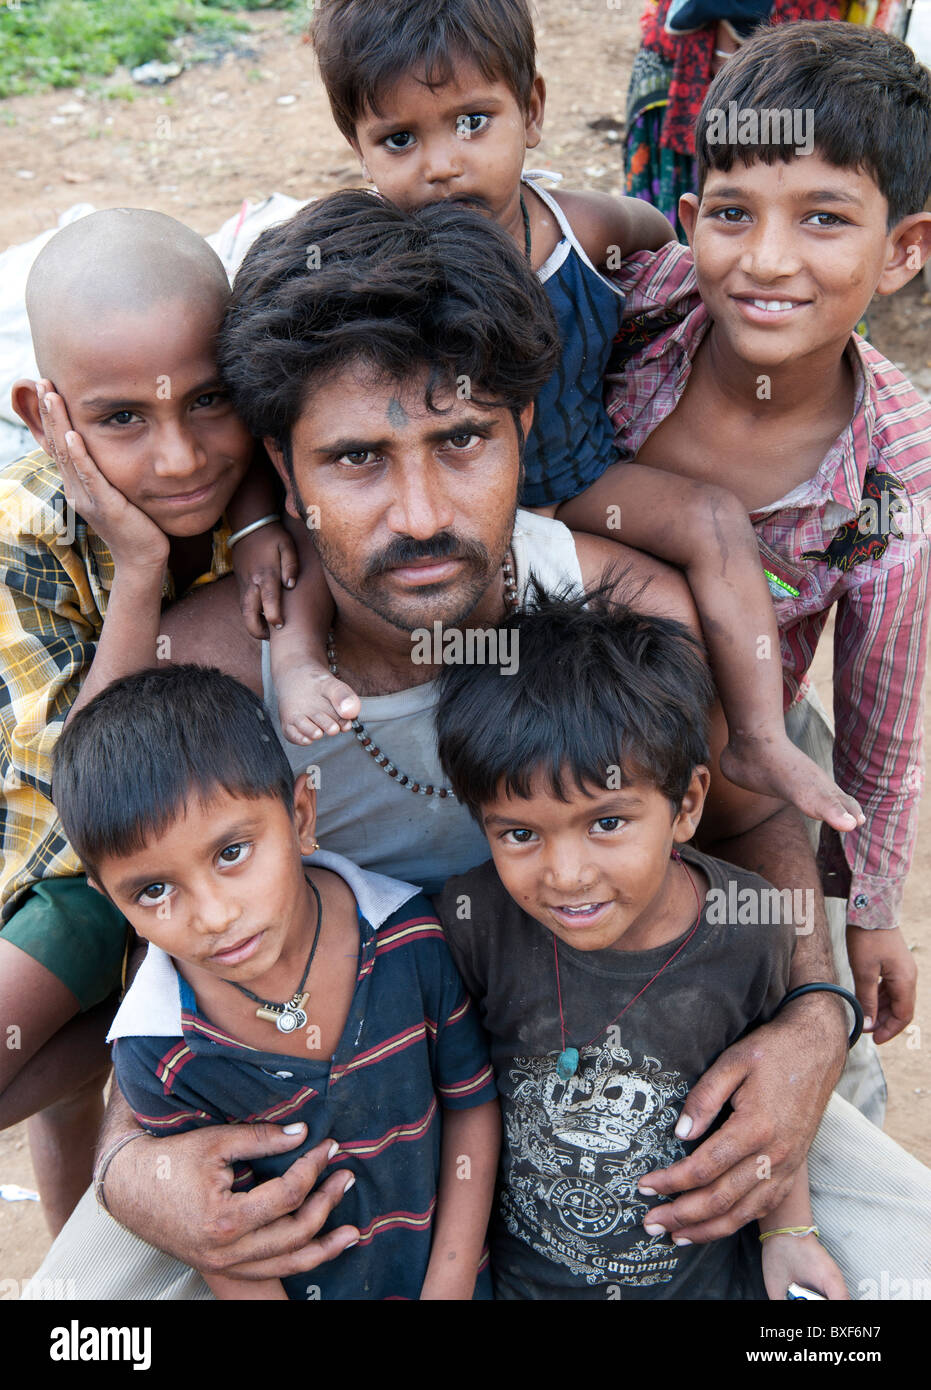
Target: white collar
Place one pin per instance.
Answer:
(152, 1005)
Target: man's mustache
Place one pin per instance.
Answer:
(406, 550)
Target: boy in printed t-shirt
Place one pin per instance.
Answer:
(606, 984)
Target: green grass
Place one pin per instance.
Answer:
(62, 43)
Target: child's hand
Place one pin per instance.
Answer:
(263, 563)
(885, 978)
(134, 539)
(771, 764)
(800, 1260)
(311, 700)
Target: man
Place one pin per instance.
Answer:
(390, 361)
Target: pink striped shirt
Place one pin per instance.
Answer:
(856, 534)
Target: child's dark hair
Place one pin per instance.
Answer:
(129, 762)
(365, 46)
(352, 278)
(869, 96)
(600, 692)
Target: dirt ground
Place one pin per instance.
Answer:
(223, 132)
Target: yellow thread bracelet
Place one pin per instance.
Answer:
(791, 1231)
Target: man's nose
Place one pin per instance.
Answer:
(420, 507)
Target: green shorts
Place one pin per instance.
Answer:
(76, 933)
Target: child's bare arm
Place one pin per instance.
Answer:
(797, 1259)
(311, 700)
(468, 1164)
(232, 1290)
(705, 530)
(265, 561)
(610, 228)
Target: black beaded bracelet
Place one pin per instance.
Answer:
(831, 989)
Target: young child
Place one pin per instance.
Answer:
(442, 105)
(606, 959)
(124, 307)
(739, 365)
(182, 807)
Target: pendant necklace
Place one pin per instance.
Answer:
(567, 1063)
(289, 1016)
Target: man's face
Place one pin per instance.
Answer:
(144, 393)
(416, 509)
(787, 255)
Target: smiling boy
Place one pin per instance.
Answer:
(738, 364)
(124, 307)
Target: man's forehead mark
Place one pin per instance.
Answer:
(397, 415)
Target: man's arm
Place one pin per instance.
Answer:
(176, 1194)
(207, 628)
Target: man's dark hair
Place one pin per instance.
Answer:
(869, 94)
(365, 46)
(352, 278)
(129, 762)
(599, 691)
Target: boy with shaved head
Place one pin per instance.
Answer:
(124, 307)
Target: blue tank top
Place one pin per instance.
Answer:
(571, 442)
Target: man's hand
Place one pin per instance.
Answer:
(176, 1194)
(132, 537)
(885, 979)
(778, 1080)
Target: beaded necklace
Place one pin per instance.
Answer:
(364, 737)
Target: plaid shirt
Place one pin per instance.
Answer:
(55, 579)
(856, 535)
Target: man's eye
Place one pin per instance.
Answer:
(234, 854)
(471, 124)
(608, 823)
(464, 441)
(153, 894)
(519, 837)
(357, 457)
(401, 140)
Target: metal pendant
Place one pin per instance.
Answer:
(567, 1063)
(290, 1020)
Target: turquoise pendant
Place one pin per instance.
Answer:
(567, 1063)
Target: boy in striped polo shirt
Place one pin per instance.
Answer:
(277, 991)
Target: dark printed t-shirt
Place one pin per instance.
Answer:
(568, 1219)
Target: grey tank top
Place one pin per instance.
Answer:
(361, 812)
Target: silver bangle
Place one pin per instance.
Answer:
(254, 526)
(725, 52)
(100, 1172)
